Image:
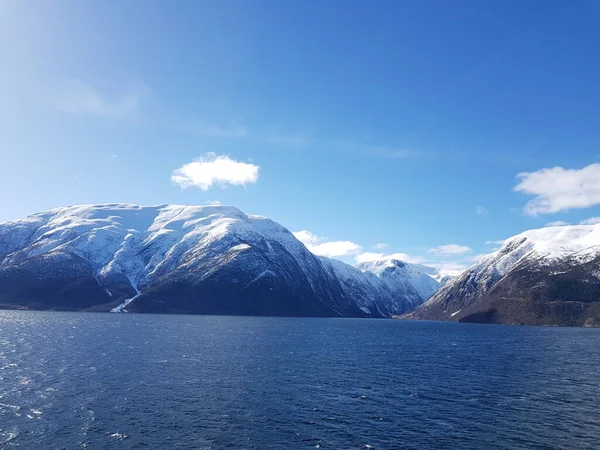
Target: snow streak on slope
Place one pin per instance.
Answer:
(121, 307)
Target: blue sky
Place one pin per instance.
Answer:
(397, 123)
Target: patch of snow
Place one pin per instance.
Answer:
(266, 273)
(122, 306)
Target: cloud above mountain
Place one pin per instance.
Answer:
(212, 170)
(116, 100)
(559, 189)
(590, 221)
(376, 256)
(322, 247)
(450, 249)
(556, 223)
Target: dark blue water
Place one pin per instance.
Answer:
(71, 380)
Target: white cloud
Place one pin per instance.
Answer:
(215, 170)
(498, 242)
(212, 203)
(590, 221)
(557, 223)
(307, 238)
(375, 256)
(320, 246)
(381, 246)
(481, 211)
(451, 267)
(78, 97)
(113, 156)
(450, 249)
(560, 189)
(335, 248)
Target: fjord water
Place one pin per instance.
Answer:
(76, 380)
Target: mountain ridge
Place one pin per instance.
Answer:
(178, 258)
(547, 276)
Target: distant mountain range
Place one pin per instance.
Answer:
(549, 276)
(218, 260)
(190, 259)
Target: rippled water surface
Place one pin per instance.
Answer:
(70, 380)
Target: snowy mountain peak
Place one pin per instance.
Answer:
(387, 266)
(200, 259)
(556, 242)
(379, 266)
(544, 276)
(394, 272)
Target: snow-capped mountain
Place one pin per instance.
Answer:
(385, 287)
(549, 276)
(188, 259)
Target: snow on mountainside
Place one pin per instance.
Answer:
(532, 278)
(424, 280)
(385, 286)
(191, 259)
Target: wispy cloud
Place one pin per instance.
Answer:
(557, 223)
(215, 170)
(269, 135)
(450, 258)
(274, 135)
(373, 150)
(381, 246)
(460, 264)
(481, 211)
(590, 221)
(559, 189)
(498, 242)
(234, 131)
(453, 268)
(322, 247)
(450, 249)
(376, 256)
(289, 140)
(75, 96)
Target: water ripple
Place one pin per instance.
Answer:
(143, 381)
